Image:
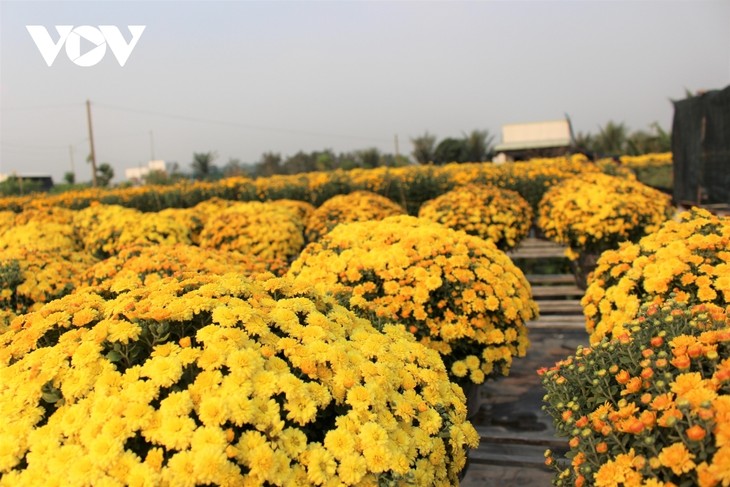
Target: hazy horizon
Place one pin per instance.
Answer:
(242, 78)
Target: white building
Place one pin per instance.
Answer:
(137, 174)
(535, 139)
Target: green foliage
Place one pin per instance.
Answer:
(270, 164)
(104, 174)
(202, 165)
(15, 186)
(424, 147)
(423, 185)
(616, 139)
(657, 177)
(451, 150)
(478, 145)
(475, 146)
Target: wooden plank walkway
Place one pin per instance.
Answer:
(514, 430)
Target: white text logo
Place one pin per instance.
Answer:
(99, 38)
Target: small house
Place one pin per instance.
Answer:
(524, 141)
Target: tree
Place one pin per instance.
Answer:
(368, 158)
(202, 165)
(300, 162)
(104, 174)
(450, 150)
(478, 146)
(158, 177)
(325, 160)
(424, 148)
(392, 160)
(612, 139)
(234, 167)
(269, 164)
(69, 177)
(15, 185)
(643, 142)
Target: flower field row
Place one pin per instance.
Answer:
(159, 348)
(326, 341)
(408, 186)
(648, 403)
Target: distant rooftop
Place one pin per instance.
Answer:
(5, 176)
(535, 135)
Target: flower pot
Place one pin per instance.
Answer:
(473, 402)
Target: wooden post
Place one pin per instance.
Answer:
(92, 156)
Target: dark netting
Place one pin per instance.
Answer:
(701, 148)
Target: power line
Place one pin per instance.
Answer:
(40, 107)
(240, 125)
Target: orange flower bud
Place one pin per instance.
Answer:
(647, 373)
(582, 422)
(602, 447)
(657, 341)
(567, 415)
(574, 442)
(696, 433)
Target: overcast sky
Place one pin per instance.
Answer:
(241, 78)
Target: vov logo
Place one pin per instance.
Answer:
(71, 36)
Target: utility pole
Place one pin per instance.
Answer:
(92, 156)
(397, 151)
(71, 153)
(152, 146)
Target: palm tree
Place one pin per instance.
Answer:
(583, 142)
(203, 164)
(478, 145)
(424, 148)
(612, 139)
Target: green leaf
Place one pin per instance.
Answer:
(114, 356)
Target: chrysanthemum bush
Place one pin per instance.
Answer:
(222, 380)
(650, 407)
(192, 219)
(262, 229)
(55, 214)
(7, 221)
(301, 208)
(139, 265)
(29, 278)
(499, 215)
(595, 212)
(41, 236)
(107, 229)
(656, 159)
(458, 294)
(688, 258)
(346, 208)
